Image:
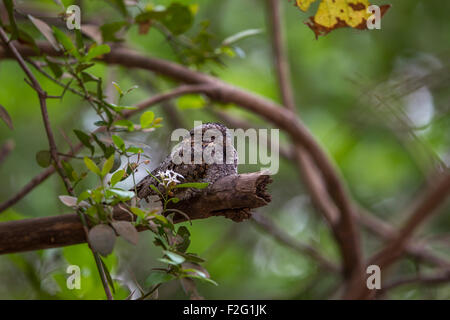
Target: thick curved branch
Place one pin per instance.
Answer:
(231, 196)
(337, 213)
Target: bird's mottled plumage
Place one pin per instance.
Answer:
(202, 172)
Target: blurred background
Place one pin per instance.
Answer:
(377, 101)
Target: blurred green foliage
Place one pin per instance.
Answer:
(335, 78)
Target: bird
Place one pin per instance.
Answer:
(215, 140)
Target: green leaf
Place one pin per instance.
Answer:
(55, 68)
(203, 279)
(109, 31)
(196, 185)
(96, 51)
(158, 277)
(135, 150)
(92, 166)
(100, 91)
(147, 119)
(241, 35)
(120, 5)
(44, 158)
(12, 21)
(117, 176)
(86, 76)
(70, 172)
(164, 260)
(183, 232)
(45, 30)
(92, 211)
(122, 194)
(194, 258)
(85, 140)
(120, 108)
(118, 142)
(66, 42)
(118, 88)
(107, 166)
(176, 258)
(139, 212)
(83, 196)
(191, 101)
(178, 18)
(125, 123)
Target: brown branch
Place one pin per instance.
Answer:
(268, 226)
(275, 13)
(231, 196)
(439, 278)
(336, 210)
(413, 247)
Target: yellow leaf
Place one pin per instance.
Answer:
(304, 4)
(334, 14)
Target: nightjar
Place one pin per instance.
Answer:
(204, 155)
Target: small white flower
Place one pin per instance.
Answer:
(170, 176)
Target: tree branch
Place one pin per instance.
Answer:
(337, 210)
(439, 278)
(275, 13)
(231, 196)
